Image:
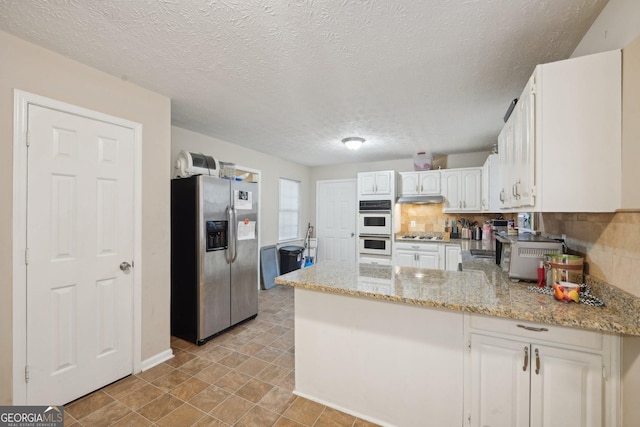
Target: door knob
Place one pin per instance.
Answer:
(125, 266)
(353, 234)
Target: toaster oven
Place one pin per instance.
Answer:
(520, 256)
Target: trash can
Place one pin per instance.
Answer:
(290, 258)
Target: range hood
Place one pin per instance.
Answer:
(420, 199)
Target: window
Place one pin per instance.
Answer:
(289, 223)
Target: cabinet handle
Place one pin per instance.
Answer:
(526, 359)
(502, 195)
(513, 190)
(421, 188)
(531, 328)
(537, 362)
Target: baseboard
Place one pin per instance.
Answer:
(156, 359)
(341, 409)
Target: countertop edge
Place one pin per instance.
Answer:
(615, 328)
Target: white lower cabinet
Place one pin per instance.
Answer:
(515, 383)
(452, 257)
(422, 255)
(514, 380)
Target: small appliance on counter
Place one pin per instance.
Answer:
(520, 256)
(188, 164)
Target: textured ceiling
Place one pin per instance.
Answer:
(294, 77)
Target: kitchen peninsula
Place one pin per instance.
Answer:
(394, 344)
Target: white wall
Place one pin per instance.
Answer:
(271, 169)
(616, 26)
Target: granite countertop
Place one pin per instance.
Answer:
(480, 288)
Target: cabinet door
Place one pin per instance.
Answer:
(451, 190)
(494, 183)
(499, 382)
(405, 258)
(484, 200)
(471, 184)
(428, 260)
(429, 183)
(367, 183)
(525, 158)
(505, 151)
(452, 256)
(410, 184)
(567, 389)
(383, 183)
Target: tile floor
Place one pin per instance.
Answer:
(244, 377)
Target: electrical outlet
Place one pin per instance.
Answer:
(413, 224)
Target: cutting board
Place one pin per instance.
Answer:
(269, 268)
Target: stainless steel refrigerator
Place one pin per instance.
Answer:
(214, 255)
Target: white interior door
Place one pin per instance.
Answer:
(80, 228)
(336, 220)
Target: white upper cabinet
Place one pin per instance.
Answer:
(491, 184)
(461, 189)
(560, 151)
(376, 185)
(425, 183)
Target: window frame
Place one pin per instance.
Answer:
(285, 213)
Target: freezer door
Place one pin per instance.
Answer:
(244, 269)
(214, 284)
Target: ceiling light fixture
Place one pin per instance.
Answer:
(353, 142)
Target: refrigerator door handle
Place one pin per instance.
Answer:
(227, 251)
(235, 234)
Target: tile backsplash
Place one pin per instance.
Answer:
(609, 242)
(429, 217)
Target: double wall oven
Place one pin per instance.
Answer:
(375, 226)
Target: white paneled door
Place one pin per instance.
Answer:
(336, 220)
(80, 239)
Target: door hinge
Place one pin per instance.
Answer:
(26, 374)
(27, 139)
(26, 256)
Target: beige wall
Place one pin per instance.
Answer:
(42, 72)
(615, 27)
(271, 169)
